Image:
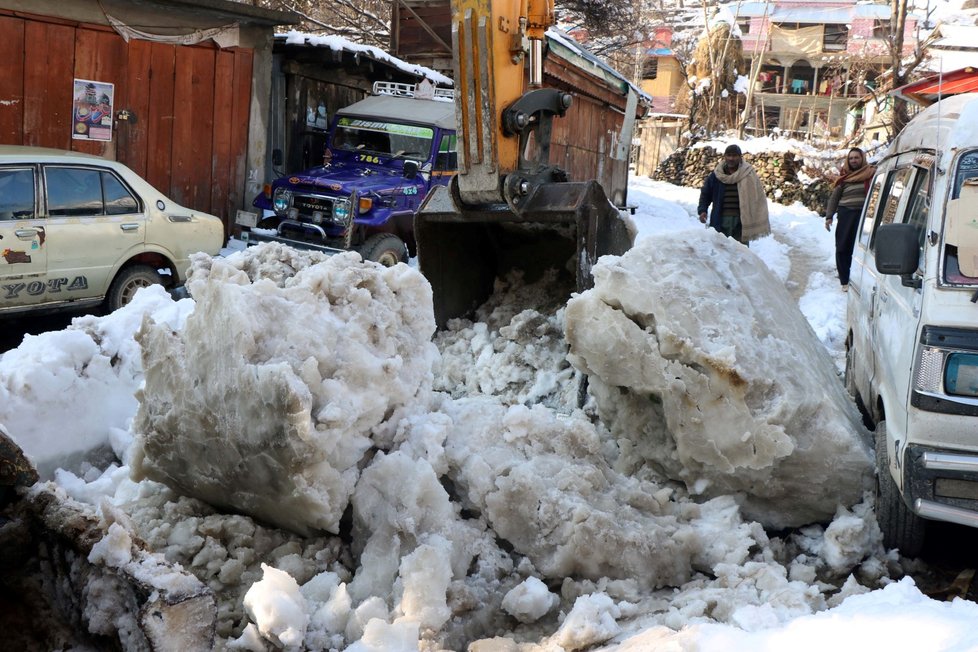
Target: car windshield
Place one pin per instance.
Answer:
(382, 138)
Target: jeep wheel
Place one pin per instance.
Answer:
(128, 281)
(384, 248)
(902, 529)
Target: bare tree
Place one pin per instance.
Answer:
(361, 21)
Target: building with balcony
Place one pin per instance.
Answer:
(813, 60)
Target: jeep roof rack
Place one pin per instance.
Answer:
(408, 90)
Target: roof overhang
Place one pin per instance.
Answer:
(237, 12)
(930, 89)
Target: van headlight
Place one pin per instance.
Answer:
(947, 367)
(281, 199)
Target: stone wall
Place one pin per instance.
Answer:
(778, 172)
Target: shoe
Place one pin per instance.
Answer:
(845, 288)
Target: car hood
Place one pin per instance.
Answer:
(343, 179)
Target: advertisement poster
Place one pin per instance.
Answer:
(91, 117)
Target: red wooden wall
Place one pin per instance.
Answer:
(191, 104)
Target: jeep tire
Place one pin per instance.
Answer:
(902, 529)
(127, 282)
(384, 248)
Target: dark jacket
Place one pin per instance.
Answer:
(712, 193)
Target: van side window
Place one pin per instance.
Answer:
(919, 206)
(896, 184)
(872, 206)
(17, 195)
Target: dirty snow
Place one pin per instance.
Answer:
(493, 514)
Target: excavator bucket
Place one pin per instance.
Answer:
(463, 249)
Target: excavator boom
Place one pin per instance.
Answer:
(508, 207)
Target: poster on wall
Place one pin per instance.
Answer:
(91, 117)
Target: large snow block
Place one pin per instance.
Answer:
(292, 366)
(703, 367)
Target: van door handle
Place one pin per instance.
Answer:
(129, 227)
(25, 233)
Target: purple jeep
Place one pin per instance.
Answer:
(383, 154)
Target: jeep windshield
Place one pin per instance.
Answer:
(387, 139)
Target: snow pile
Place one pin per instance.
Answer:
(54, 379)
(268, 399)
(703, 367)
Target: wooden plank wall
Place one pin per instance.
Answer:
(411, 39)
(191, 104)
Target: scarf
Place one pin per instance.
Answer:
(753, 200)
(863, 174)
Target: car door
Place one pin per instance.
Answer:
(898, 306)
(23, 239)
(862, 291)
(96, 223)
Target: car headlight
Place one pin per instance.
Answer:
(947, 362)
(341, 211)
(281, 199)
(961, 374)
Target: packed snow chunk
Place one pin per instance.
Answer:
(291, 368)
(543, 483)
(424, 578)
(379, 636)
(591, 621)
(703, 368)
(276, 606)
(529, 601)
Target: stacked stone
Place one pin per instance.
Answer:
(778, 172)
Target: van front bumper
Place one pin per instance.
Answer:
(941, 485)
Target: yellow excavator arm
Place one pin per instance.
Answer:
(508, 207)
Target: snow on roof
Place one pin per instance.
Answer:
(338, 43)
(598, 67)
(958, 36)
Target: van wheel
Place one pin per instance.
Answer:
(384, 248)
(902, 529)
(128, 281)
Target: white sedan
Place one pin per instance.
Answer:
(79, 230)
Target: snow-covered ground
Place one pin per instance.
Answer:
(442, 556)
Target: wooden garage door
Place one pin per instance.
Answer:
(188, 130)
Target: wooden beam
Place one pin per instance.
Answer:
(425, 26)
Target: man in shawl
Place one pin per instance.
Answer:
(737, 196)
(847, 201)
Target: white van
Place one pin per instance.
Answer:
(912, 345)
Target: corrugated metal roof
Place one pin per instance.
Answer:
(440, 113)
(806, 13)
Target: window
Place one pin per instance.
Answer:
(967, 169)
(83, 192)
(836, 37)
(896, 183)
(872, 206)
(919, 204)
(118, 199)
(447, 153)
(881, 28)
(17, 196)
(650, 69)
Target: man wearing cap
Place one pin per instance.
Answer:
(737, 196)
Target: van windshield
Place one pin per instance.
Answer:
(961, 238)
(381, 138)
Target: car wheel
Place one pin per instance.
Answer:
(384, 248)
(902, 529)
(128, 282)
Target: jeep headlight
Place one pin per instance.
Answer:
(341, 211)
(281, 199)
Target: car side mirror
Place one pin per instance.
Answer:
(898, 251)
(411, 169)
(277, 157)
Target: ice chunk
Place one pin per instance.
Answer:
(700, 361)
(267, 400)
